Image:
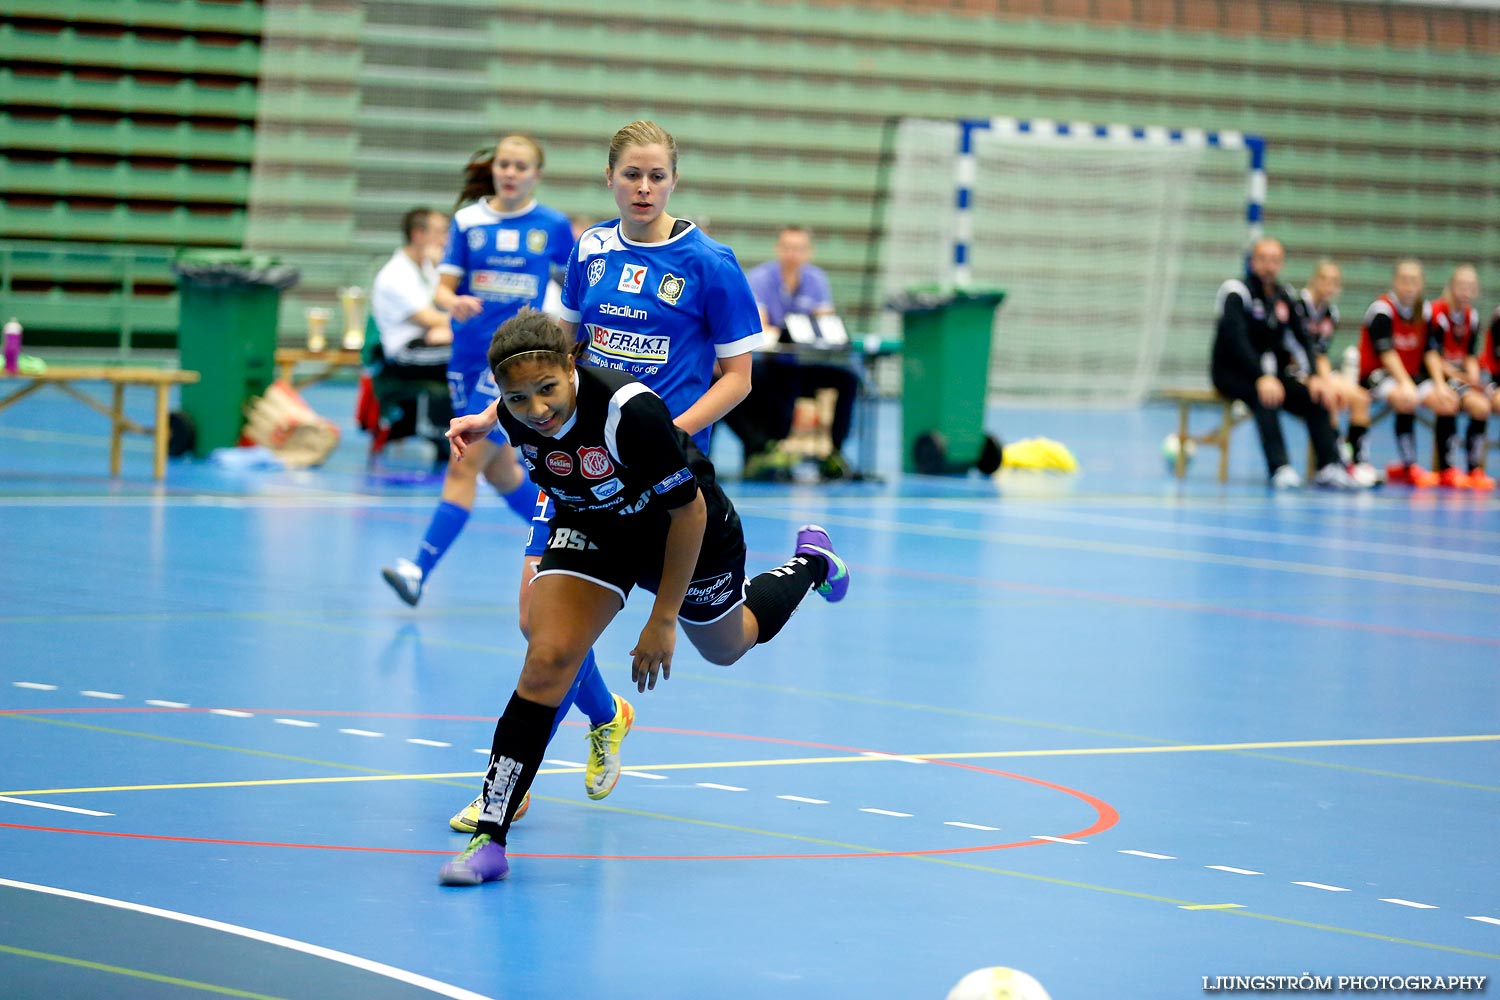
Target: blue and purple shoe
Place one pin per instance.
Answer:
(814, 541)
(482, 861)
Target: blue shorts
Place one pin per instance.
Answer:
(471, 392)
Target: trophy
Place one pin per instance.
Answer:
(352, 299)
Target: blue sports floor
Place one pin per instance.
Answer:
(1115, 732)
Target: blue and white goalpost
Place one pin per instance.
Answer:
(1108, 239)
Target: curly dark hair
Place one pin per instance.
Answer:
(528, 332)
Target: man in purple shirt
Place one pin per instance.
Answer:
(790, 284)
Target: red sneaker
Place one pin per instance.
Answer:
(1478, 480)
(1452, 479)
(1409, 475)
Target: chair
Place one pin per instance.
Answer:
(390, 408)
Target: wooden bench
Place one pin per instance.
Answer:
(331, 361)
(63, 376)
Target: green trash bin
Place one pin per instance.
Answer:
(229, 302)
(945, 379)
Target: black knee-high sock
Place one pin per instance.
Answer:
(1406, 438)
(774, 595)
(1475, 441)
(515, 756)
(1357, 444)
(1445, 429)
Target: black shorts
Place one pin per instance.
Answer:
(620, 552)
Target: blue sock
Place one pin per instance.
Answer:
(593, 697)
(590, 694)
(447, 521)
(522, 499)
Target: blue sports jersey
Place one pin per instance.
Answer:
(661, 312)
(503, 259)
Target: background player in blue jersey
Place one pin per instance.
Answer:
(654, 297)
(636, 504)
(501, 250)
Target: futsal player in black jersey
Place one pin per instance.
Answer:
(636, 504)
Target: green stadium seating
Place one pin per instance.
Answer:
(69, 46)
(243, 18)
(122, 179)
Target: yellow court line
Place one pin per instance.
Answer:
(1214, 906)
(781, 761)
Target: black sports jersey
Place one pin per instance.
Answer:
(619, 453)
(1259, 330)
(1318, 322)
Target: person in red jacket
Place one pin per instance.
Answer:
(1453, 360)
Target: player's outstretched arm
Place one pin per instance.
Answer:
(653, 650)
(464, 431)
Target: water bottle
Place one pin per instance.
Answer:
(12, 346)
(1350, 367)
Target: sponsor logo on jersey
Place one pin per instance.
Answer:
(627, 346)
(632, 278)
(639, 505)
(608, 488)
(670, 289)
(571, 538)
(628, 312)
(710, 591)
(560, 463)
(507, 240)
(596, 271)
(564, 497)
(536, 240)
(529, 450)
(503, 284)
(476, 239)
(594, 463)
(673, 481)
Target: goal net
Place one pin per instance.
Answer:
(1108, 241)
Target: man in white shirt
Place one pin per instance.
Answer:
(414, 334)
(412, 361)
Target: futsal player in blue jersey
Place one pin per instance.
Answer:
(652, 296)
(636, 505)
(502, 247)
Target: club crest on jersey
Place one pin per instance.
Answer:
(507, 240)
(593, 462)
(632, 278)
(596, 271)
(536, 240)
(560, 463)
(476, 239)
(529, 450)
(1282, 313)
(670, 289)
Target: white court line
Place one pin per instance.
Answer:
(231, 713)
(892, 756)
(158, 703)
(107, 695)
(49, 805)
(317, 951)
(1148, 854)
(968, 826)
(722, 788)
(1320, 885)
(801, 798)
(1233, 871)
(1485, 920)
(1057, 840)
(1407, 902)
(645, 774)
(428, 743)
(887, 812)
(302, 723)
(34, 686)
(359, 732)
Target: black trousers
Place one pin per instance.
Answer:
(1298, 402)
(765, 416)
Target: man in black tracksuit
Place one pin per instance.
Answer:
(1263, 358)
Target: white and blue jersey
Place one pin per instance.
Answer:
(660, 312)
(503, 259)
